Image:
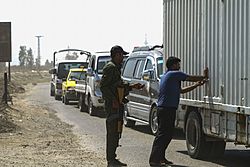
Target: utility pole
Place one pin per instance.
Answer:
(38, 51)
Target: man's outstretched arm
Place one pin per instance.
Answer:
(192, 87)
(196, 78)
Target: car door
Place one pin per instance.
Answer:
(139, 98)
(127, 75)
(149, 66)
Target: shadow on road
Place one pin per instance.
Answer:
(178, 133)
(98, 112)
(231, 158)
(176, 165)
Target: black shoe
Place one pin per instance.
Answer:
(116, 162)
(167, 161)
(157, 164)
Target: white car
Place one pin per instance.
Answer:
(93, 98)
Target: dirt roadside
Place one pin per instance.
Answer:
(33, 136)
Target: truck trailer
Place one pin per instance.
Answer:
(213, 34)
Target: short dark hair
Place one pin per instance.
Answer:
(171, 61)
(117, 49)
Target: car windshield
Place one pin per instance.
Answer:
(63, 69)
(77, 75)
(159, 67)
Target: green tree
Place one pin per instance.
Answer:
(22, 56)
(30, 58)
(48, 64)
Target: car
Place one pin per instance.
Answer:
(68, 86)
(144, 65)
(93, 95)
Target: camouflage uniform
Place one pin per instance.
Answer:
(111, 79)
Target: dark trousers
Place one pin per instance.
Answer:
(166, 119)
(112, 139)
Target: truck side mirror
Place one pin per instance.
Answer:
(148, 75)
(52, 71)
(90, 72)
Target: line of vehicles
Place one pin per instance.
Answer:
(210, 116)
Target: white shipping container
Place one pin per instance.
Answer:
(213, 34)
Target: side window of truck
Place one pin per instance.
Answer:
(129, 68)
(139, 68)
(149, 65)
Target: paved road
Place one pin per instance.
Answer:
(136, 143)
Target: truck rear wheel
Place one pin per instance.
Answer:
(52, 90)
(153, 121)
(57, 97)
(195, 138)
(66, 100)
(81, 103)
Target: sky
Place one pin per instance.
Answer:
(91, 25)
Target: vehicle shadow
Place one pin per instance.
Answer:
(97, 113)
(178, 133)
(231, 158)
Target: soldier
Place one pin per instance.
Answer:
(111, 80)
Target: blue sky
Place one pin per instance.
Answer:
(93, 25)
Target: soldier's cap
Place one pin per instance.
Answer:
(117, 49)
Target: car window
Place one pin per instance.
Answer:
(149, 65)
(139, 68)
(102, 60)
(159, 67)
(129, 68)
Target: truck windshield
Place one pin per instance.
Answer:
(159, 67)
(77, 75)
(63, 68)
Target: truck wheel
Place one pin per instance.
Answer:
(218, 148)
(52, 92)
(195, 138)
(153, 121)
(90, 107)
(66, 100)
(81, 103)
(63, 99)
(57, 97)
(127, 122)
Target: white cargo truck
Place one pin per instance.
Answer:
(213, 34)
